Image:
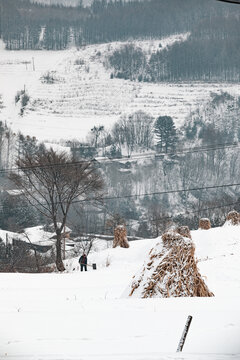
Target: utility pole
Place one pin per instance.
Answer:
(1, 17)
(33, 64)
(64, 243)
(184, 335)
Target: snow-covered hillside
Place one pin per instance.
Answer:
(63, 2)
(83, 95)
(83, 316)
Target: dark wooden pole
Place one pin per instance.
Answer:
(184, 335)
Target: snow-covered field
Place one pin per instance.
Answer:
(84, 316)
(83, 94)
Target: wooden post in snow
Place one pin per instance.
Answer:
(33, 64)
(184, 335)
(6, 245)
(64, 244)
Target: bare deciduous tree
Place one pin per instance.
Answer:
(52, 182)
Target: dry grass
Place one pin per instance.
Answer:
(49, 269)
(120, 237)
(174, 271)
(184, 231)
(204, 224)
(233, 217)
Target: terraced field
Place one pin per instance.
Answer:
(82, 94)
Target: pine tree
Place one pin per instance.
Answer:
(166, 133)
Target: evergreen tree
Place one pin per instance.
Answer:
(166, 134)
(17, 214)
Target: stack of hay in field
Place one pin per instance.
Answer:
(204, 224)
(120, 237)
(171, 270)
(184, 231)
(233, 218)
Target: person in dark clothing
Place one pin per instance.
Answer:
(83, 262)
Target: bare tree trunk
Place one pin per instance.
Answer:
(37, 262)
(59, 262)
(35, 253)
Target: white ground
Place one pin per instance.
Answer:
(84, 95)
(83, 315)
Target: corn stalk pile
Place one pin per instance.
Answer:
(170, 271)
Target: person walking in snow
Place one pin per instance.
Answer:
(83, 262)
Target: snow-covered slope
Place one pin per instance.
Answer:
(83, 94)
(82, 315)
(63, 2)
(218, 253)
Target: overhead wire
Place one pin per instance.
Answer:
(100, 160)
(159, 193)
(211, 187)
(191, 150)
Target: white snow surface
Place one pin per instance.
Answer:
(83, 94)
(83, 316)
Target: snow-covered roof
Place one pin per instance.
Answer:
(14, 192)
(66, 228)
(38, 236)
(8, 236)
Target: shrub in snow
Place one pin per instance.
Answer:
(79, 62)
(18, 96)
(233, 218)
(25, 100)
(49, 78)
(120, 237)
(170, 271)
(204, 224)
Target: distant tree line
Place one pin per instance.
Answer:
(211, 53)
(26, 25)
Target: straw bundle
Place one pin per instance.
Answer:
(233, 217)
(120, 237)
(184, 231)
(171, 272)
(204, 224)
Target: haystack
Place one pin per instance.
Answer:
(184, 231)
(204, 224)
(120, 237)
(171, 271)
(233, 218)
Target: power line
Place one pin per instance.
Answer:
(204, 149)
(189, 212)
(134, 157)
(212, 187)
(160, 193)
